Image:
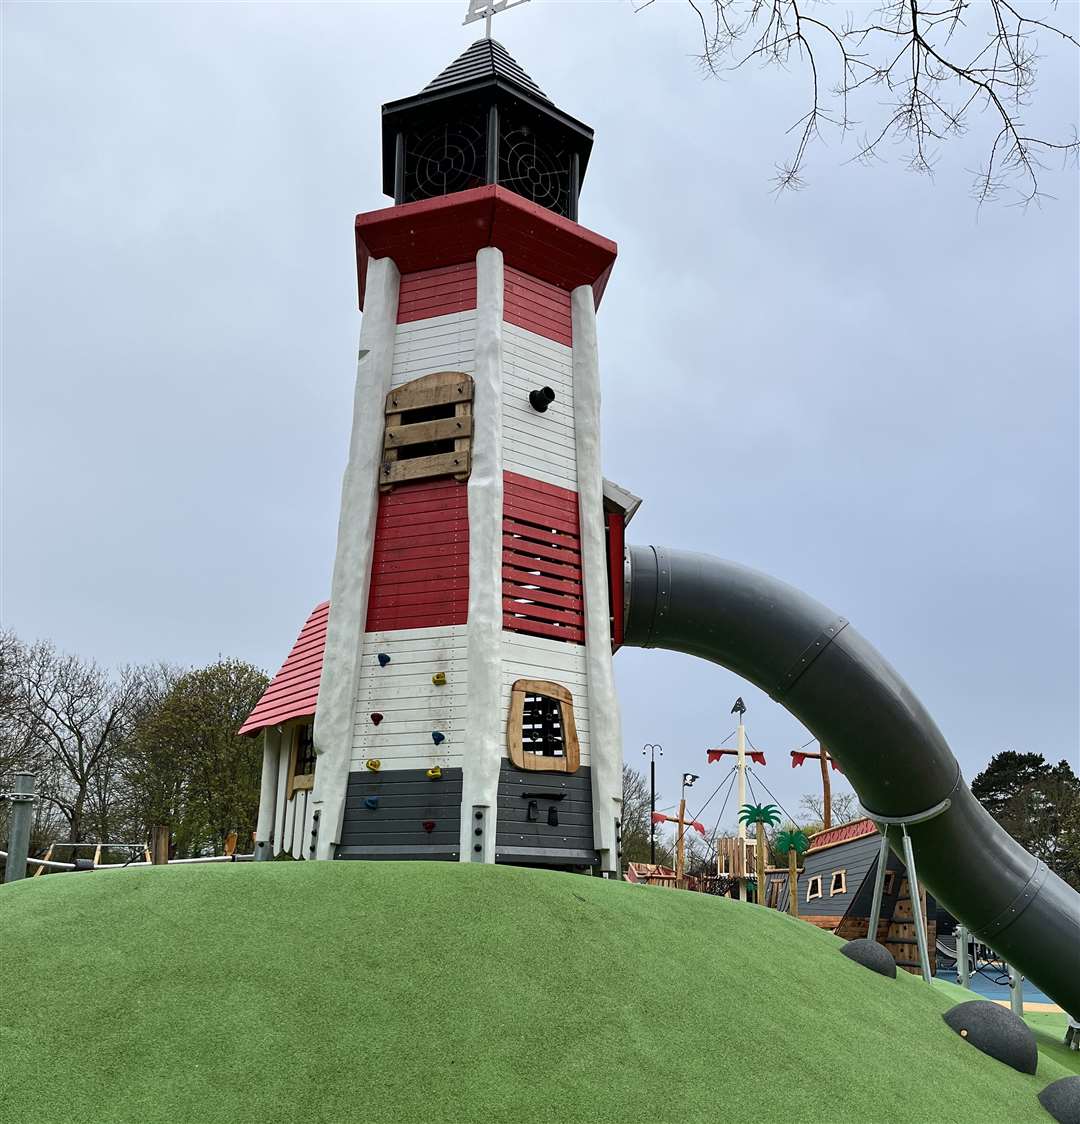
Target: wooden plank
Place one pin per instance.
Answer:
(436, 389)
(441, 464)
(443, 429)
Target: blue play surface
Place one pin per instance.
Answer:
(987, 989)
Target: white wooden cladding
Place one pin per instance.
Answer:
(292, 817)
(411, 705)
(440, 343)
(536, 657)
(538, 445)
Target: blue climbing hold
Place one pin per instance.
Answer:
(438, 737)
(384, 659)
(371, 802)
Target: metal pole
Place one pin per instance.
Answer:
(22, 813)
(740, 749)
(652, 807)
(916, 905)
(879, 885)
(1016, 991)
(963, 965)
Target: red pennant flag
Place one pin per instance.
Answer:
(757, 757)
(832, 762)
(698, 827)
(714, 755)
(797, 758)
(659, 817)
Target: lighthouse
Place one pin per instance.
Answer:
(454, 699)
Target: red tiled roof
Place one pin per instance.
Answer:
(293, 691)
(854, 830)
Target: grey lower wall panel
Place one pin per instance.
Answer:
(521, 841)
(394, 829)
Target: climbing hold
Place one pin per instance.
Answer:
(376, 718)
(532, 812)
(371, 802)
(553, 816)
(871, 955)
(373, 764)
(429, 826)
(1061, 1099)
(434, 773)
(383, 659)
(996, 1031)
(438, 737)
(439, 679)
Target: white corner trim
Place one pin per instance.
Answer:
(484, 733)
(264, 828)
(605, 735)
(334, 710)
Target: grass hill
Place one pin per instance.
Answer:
(419, 993)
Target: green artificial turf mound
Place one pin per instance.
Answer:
(305, 993)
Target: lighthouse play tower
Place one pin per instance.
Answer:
(454, 698)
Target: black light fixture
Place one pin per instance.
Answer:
(541, 399)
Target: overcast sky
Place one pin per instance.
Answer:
(867, 388)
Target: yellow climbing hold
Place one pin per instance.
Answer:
(439, 679)
(373, 764)
(434, 773)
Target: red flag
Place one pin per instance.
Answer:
(714, 755)
(757, 757)
(659, 817)
(797, 758)
(832, 762)
(698, 827)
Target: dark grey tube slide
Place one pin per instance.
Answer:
(817, 666)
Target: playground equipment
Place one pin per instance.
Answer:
(819, 668)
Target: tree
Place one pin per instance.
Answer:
(1038, 805)
(924, 70)
(72, 716)
(184, 764)
(792, 843)
(843, 806)
(762, 815)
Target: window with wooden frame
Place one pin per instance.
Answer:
(838, 885)
(428, 429)
(301, 760)
(773, 893)
(541, 734)
(890, 883)
(813, 888)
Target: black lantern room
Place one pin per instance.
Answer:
(484, 121)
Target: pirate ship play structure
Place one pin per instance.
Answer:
(454, 699)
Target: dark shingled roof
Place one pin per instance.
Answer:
(484, 59)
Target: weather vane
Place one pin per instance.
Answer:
(485, 9)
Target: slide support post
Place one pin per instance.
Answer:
(963, 965)
(879, 884)
(916, 906)
(22, 813)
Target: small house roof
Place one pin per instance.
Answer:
(621, 499)
(294, 690)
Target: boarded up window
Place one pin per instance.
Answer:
(428, 429)
(541, 734)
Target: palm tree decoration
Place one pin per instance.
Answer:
(792, 843)
(760, 814)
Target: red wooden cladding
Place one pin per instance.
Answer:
(616, 540)
(537, 306)
(436, 292)
(542, 592)
(294, 690)
(420, 564)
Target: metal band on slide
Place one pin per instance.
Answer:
(915, 817)
(807, 656)
(1017, 906)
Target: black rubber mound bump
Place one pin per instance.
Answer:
(871, 955)
(996, 1031)
(1062, 1100)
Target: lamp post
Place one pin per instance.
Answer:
(652, 750)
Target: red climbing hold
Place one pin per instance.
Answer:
(376, 718)
(429, 826)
